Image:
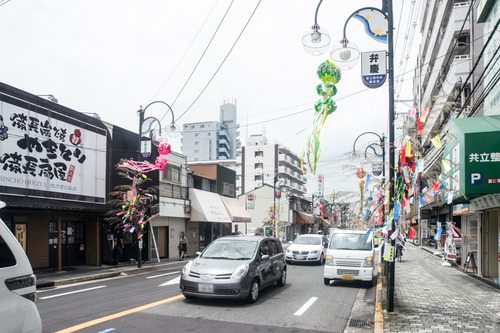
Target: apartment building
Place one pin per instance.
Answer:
(261, 161)
(457, 96)
(213, 140)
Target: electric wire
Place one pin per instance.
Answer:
(177, 65)
(203, 54)
(223, 61)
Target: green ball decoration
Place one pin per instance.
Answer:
(328, 72)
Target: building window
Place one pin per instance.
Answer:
(258, 177)
(192, 126)
(196, 134)
(196, 151)
(228, 189)
(259, 153)
(202, 126)
(196, 143)
(172, 173)
(259, 166)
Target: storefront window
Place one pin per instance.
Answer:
(473, 235)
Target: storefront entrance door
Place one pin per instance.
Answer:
(490, 244)
(72, 243)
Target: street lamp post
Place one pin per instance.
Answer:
(316, 42)
(278, 184)
(145, 146)
(381, 144)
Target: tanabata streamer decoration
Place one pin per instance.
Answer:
(134, 200)
(329, 75)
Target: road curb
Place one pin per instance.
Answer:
(379, 313)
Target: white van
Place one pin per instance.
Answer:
(18, 312)
(350, 256)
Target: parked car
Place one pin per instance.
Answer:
(236, 267)
(351, 256)
(307, 248)
(18, 312)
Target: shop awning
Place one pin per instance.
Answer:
(236, 210)
(207, 207)
(304, 218)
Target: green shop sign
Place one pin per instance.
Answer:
(471, 157)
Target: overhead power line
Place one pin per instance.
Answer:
(203, 54)
(177, 65)
(223, 61)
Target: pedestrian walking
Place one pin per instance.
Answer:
(118, 249)
(183, 245)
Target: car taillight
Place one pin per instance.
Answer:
(21, 282)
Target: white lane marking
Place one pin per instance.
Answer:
(73, 292)
(177, 280)
(306, 306)
(155, 276)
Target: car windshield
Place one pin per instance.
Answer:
(230, 249)
(350, 242)
(307, 240)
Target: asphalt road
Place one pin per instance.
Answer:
(151, 302)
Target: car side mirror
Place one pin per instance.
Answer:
(265, 257)
(290, 242)
(198, 253)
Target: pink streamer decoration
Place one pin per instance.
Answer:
(413, 112)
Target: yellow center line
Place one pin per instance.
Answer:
(118, 315)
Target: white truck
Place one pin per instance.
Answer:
(351, 256)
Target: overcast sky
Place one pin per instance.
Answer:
(110, 57)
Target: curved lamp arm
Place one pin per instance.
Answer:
(142, 111)
(316, 14)
(382, 139)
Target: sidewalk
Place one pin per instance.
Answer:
(429, 297)
(74, 274)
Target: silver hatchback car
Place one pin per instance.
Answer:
(236, 267)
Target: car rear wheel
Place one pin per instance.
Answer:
(254, 291)
(321, 260)
(326, 281)
(281, 282)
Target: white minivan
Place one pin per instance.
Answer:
(18, 312)
(350, 256)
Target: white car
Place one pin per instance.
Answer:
(18, 312)
(307, 248)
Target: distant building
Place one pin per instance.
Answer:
(212, 140)
(261, 161)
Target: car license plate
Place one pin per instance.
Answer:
(205, 288)
(347, 277)
(300, 257)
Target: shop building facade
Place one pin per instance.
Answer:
(53, 179)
